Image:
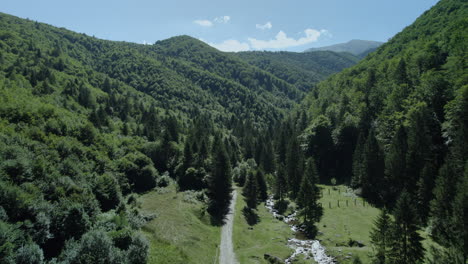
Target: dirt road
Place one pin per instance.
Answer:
(226, 255)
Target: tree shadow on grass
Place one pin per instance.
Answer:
(250, 215)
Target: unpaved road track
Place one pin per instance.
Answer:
(226, 255)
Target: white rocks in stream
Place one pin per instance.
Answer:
(301, 247)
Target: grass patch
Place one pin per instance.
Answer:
(340, 225)
(269, 236)
(347, 223)
(180, 233)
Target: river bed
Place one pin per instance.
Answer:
(307, 247)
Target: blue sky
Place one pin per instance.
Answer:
(228, 25)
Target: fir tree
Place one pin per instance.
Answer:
(406, 243)
(262, 186)
(358, 162)
(373, 169)
(381, 237)
(294, 166)
(419, 144)
(441, 207)
(219, 183)
(311, 211)
(250, 191)
(281, 187)
(395, 166)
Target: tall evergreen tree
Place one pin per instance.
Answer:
(373, 173)
(219, 183)
(311, 210)
(262, 186)
(419, 145)
(395, 166)
(250, 191)
(294, 166)
(406, 243)
(458, 220)
(441, 207)
(281, 185)
(381, 237)
(358, 162)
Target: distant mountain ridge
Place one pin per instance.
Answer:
(356, 47)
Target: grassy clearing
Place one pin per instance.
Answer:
(353, 221)
(180, 233)
(269, 236)
(340, 225)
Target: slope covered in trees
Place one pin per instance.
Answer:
(396, 123)
(303, 70)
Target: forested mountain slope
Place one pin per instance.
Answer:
(303, 70)
(395, 125)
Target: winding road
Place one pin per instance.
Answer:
(226, 255)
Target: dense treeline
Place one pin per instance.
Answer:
(303, 70)
(394, 127)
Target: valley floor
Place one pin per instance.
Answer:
(181, 233)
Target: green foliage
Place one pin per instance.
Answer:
(251, 190)
(381, 237)
(406, 241)
(29, 254)
(219, 183)
(262, 186)
(308, 199)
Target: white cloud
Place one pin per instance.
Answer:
(204, 23)
(231, 45)
(267, 25)
(282, 41)
(222, 19)
(210, 23)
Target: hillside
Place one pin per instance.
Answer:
(302, 70)
(394, 126)
(359, 48)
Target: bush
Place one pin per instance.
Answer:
(138, 251)
(29, 254)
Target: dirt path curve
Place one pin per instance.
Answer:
(226, 255)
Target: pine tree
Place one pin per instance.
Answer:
(401, 75)
(419, 145)
(458, 222)
(294, 166)
(441, 206)
(311, 211)
(381, 237)
(425, 191)
(373, 169)
(250, 191)
(406, 243)
(262, 186)
(395, 166)
(219, 183)
(268, 158)
(358, 162)
(281, 187)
